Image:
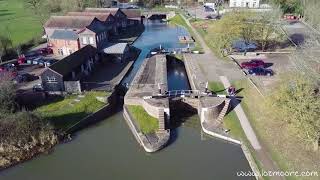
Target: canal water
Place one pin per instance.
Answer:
(108, 150)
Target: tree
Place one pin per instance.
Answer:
(5, 44)
(227, 30)
(7, 94)
(265, 28)
(40, 8)
(290, 6)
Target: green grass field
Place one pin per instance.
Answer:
(18, 22)
(64, 112)
(147, 123)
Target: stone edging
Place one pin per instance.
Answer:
(141, 138)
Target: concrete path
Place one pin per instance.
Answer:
(211, 65)
(245, 124)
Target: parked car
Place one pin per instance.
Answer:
(25, 78)
(22, 60)
(254, 63)
(45, 51)
(49, 62)
(38, 88)
(260, 72)
(242, 46)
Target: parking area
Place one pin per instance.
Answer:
(200, 12)
(26, 69)
(278, 63)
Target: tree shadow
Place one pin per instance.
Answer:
(267, 65)
(6, 14)
(234, 102)
(298, 38)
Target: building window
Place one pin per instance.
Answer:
(235, 4)
(254, 4)
(84, 40)
(91, 41)
(51, 79)
(60, 52)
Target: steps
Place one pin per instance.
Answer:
(222, 113)
(161, 118)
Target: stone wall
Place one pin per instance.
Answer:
(72, 86)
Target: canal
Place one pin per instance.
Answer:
(108, 150)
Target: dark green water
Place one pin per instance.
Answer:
(108, 150)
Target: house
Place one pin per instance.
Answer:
(133, 16)
(65, 75)
(121, 18)
(67, 34)
(96, 35)
(244, 3)
(71, 23)
(64, 42)
(107, 18)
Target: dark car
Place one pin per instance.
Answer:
(25, 78)
(45, 51)
(260, 71)
(37, 88)
(254, 63)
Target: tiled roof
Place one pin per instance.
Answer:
(132, 13)
(64, 34)
(72, 22)
(117, 48)
(73, 61)
(113, 11)
(102, 16)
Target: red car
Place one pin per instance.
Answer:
(45, 51)
(21, 59)
(254, 63)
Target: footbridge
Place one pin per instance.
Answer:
(158, 15)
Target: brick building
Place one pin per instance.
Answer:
(70, 70)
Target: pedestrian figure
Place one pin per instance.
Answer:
(231, 90)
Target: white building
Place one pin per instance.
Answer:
(244, 3)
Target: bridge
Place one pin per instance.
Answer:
(158, 14)
(186, 93)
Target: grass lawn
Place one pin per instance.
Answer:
(178, 20)
(64, 112)
(217, 87)
(286, 150)
(147, 123)
(18, 21)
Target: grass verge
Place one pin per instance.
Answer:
(64, 112)
(288, 152)
(217, 87)
(146, 123)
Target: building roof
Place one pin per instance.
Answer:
(69, 22)
(64, 34)
(115, 48)
(102, 16)
(132, 13)
(113, 11)
(69, 63)
(98, 27)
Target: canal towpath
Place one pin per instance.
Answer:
(214, 68)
